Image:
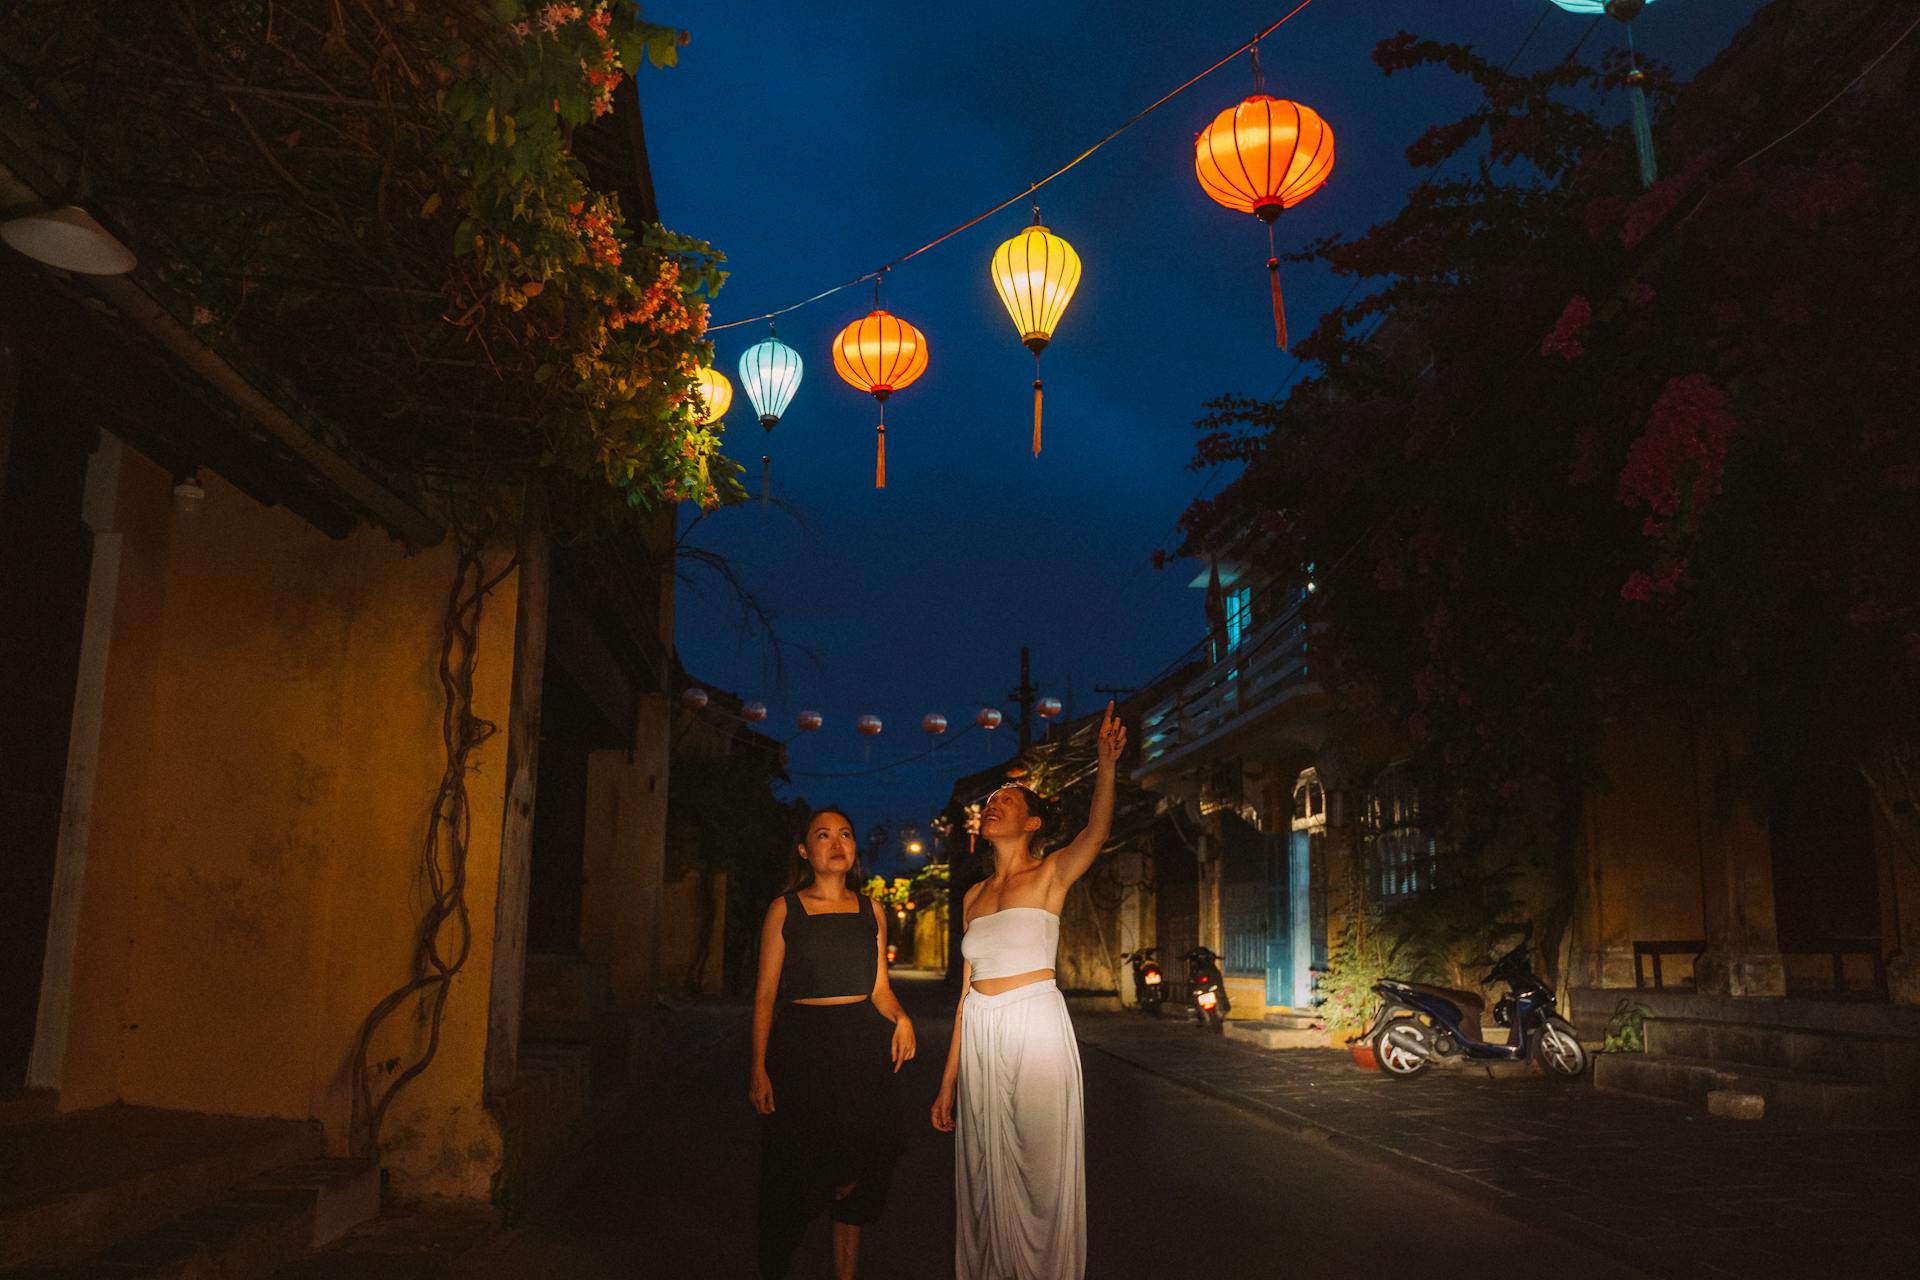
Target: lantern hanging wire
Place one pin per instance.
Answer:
(1026, 192)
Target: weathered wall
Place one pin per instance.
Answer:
(1102, 919)
(1640, 857)
(680, 911)
(624, 859)
(269, 752)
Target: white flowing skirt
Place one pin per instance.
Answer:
(1019, 1151)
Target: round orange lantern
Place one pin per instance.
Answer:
(880, 353)
(808, 721)
(1263, 156)
(868, 725)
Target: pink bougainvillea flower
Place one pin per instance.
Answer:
(1564, 340)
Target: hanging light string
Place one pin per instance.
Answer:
(1027, 192)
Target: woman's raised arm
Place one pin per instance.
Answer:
(1072, 861)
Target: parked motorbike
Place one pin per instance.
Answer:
(1207, 989)
(1149, 988)
(1421, 1026)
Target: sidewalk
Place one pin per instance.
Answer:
(1665, 1187)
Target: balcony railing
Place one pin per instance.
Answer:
(1267, 666)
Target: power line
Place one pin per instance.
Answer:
(1027, 191)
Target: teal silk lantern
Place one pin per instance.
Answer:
(1625, 11)
(1600, 6)
(770, 371)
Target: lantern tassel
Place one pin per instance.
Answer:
(1036, 417)
(1279, 307)
(1642, 130)
(880, 459)
(766, 479)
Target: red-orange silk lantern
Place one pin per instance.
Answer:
(1263, 156)
(880, 353)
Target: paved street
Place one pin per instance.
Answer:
(1180, 1184)
(1677, 1191)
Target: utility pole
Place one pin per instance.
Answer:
(1024, 697)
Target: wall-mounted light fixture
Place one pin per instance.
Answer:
(188, 495)
(68, 238)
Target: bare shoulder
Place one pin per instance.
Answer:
(777, 910)
(879, 912)
(971, 896)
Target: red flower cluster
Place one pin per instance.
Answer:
(1679, 458)
(663, 305)
(1564, 341)
(603, 247)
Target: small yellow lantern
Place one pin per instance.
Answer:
(1036, 273)
(716, 396)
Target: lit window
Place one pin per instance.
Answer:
(1239, 616)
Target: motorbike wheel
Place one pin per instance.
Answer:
(1397, 1063)
(1216, 1021)
(1153, 1008)
(1557, 1048)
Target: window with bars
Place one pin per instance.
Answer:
(1402, 857)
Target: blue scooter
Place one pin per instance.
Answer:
(1421, 1026)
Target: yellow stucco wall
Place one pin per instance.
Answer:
(929, 949)
(270, 749)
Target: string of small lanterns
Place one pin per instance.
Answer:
(933, 724)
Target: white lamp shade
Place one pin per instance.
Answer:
(770, 371)
(68, 238)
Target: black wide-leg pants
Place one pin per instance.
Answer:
(834, 1123)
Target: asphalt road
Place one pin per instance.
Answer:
(1179, 1186)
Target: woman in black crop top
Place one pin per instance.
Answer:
(823, 1068)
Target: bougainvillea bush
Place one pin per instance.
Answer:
(1577, 444)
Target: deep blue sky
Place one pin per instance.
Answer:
(813, 142)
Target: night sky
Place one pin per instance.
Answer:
(811, 143)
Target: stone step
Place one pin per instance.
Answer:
(74, 1184)
(1268, 1035)
(1294, 1021)
(267, 1224)
(1867, 1059)
(1795, 1096)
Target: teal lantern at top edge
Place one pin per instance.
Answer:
(1622, 9)
(770, 371)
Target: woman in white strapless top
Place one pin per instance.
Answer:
(1012, 1082)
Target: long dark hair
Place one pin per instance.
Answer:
(800, 871)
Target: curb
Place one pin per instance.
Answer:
(1364, 1151)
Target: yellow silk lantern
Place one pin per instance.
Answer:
(880, 353)
(1036, 273)
(716, 396)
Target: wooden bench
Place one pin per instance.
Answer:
(1655, 951)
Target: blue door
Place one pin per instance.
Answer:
(1280, 958)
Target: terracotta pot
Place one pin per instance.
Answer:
(1363, 1058)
